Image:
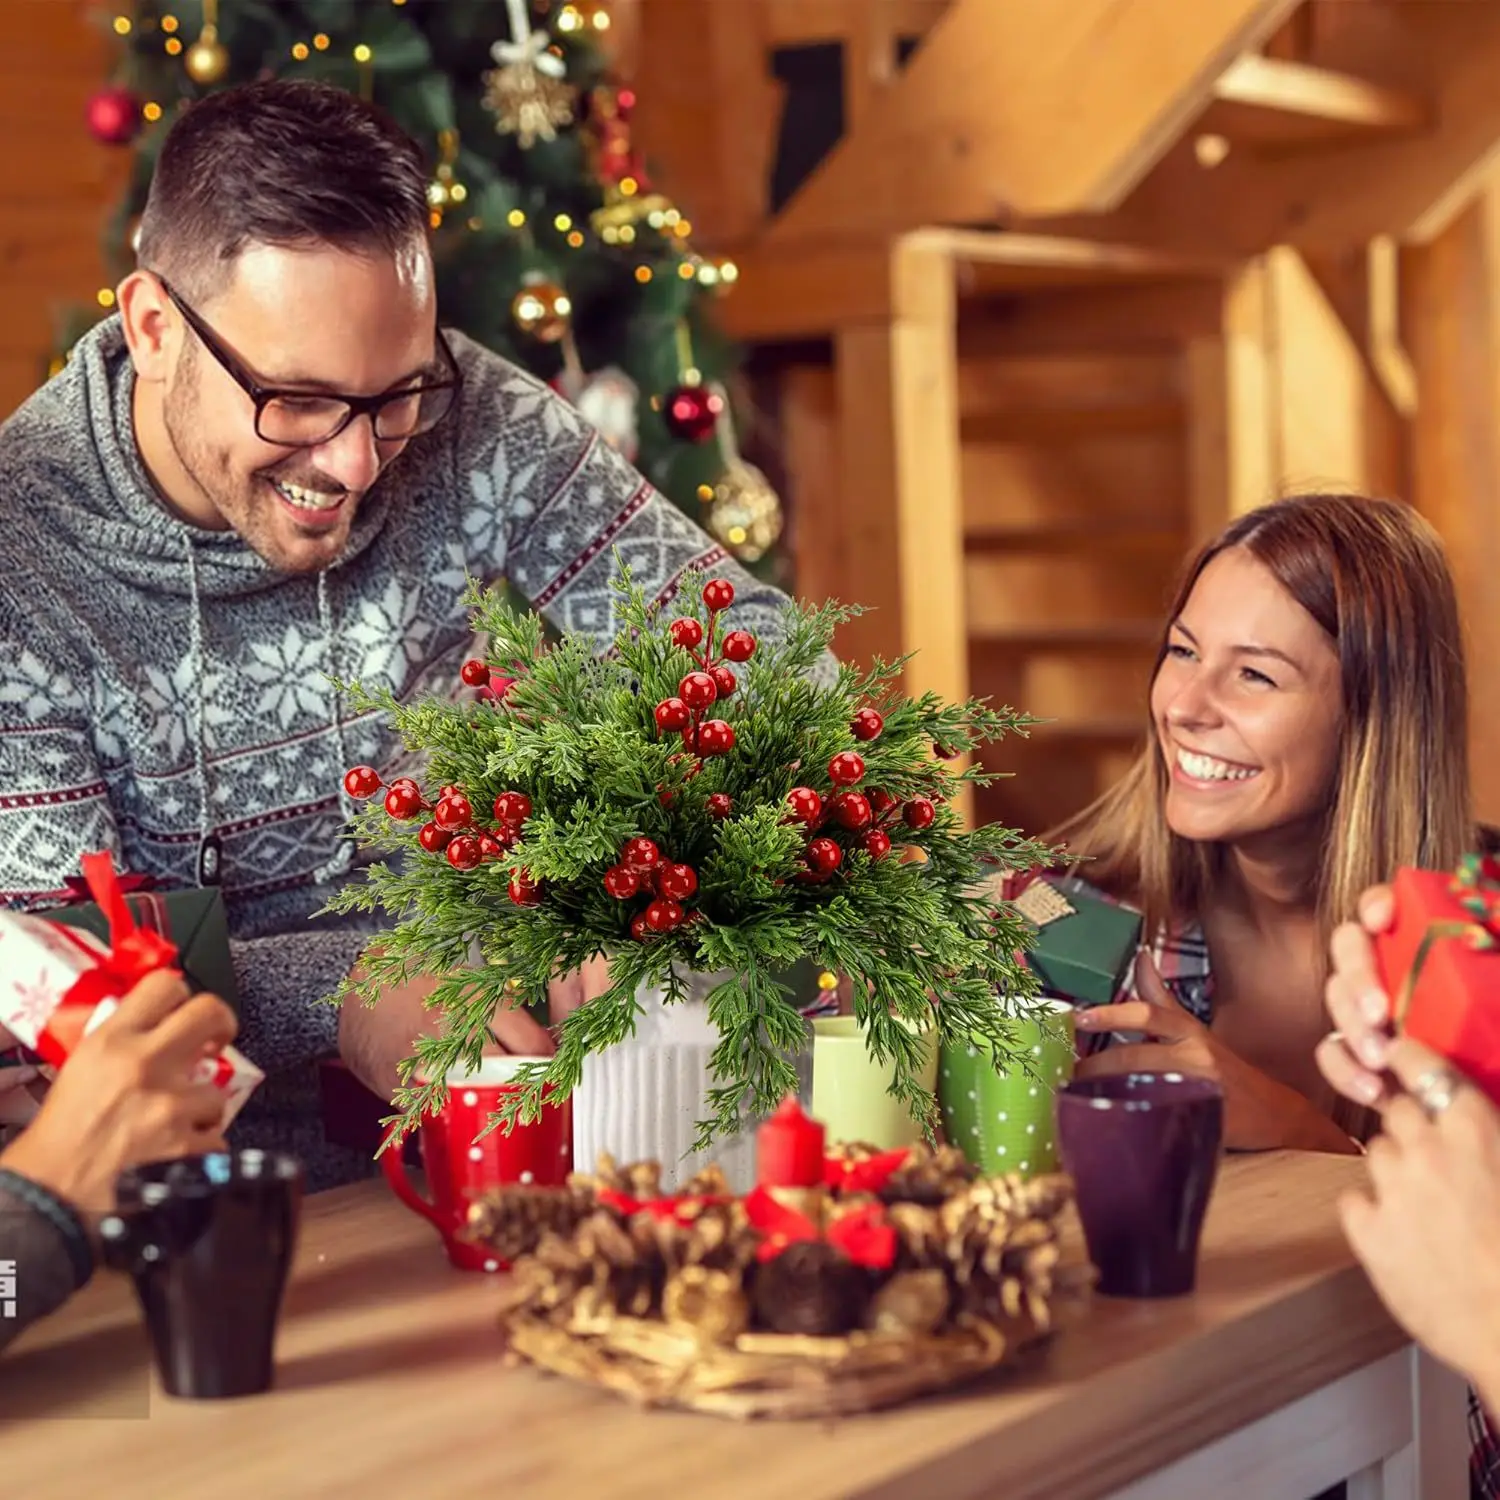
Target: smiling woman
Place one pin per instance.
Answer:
(1308, 735)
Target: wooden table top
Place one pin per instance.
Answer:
(389, 1376)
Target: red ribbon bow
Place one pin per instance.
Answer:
(865, 1176)
(661, 1208)
(75, 889)
(134, 953)
(862, 1234)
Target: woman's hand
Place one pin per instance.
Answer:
(1260, 1114)
(1428, 1230)
(1353, 1057)
(127, 1096)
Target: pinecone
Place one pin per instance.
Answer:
(638, 1179)
(710, 1303)
(511, 1220)
(929, 1174)
(716, 1236)
(810, 1288)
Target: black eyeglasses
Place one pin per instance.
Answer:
(301, 419)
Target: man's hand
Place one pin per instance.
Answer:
(1428, 1231)
(1353, 1057)
(126, 1095)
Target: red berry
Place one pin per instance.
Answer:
(621, 883)
(638, 929)
(739, 645)
(671, 715)
(724, 681)
(663, 915)
(823, 856)
(403, 802)
(866, 724)
(677, 882)
(715, 738)
(852, 809)
(362, 782)
(687, 633)
(718, 594)
(877, 843)
(918, 812)
(845, 768)
(690, 738)
(474, 674)
(640, 855)
(806, 804)
(524, 891)
(432, 838)
(453, 812)
(490, 847)
(453, 789)
(881, 802)
(697, 690)
(505, 835)
(512, 807)
(464, 852)
(720, 805)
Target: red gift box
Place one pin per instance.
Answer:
(1440, 964)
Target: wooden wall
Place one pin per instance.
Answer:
(56, 183)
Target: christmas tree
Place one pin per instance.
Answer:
(553, 246)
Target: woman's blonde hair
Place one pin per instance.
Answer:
(1374, 576)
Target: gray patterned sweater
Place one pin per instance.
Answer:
(164, 692)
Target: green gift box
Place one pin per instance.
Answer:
(1084, 945)
(194, 922)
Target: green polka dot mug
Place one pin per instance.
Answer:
(1006, 1122)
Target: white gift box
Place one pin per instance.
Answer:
(40, 961)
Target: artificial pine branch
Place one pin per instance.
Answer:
(914, 925)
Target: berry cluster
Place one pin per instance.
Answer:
(491, 685)
(713, 682)
(643, 871)
(867, 815)
(452, 829)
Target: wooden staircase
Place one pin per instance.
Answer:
(1075, 287)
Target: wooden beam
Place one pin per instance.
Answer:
(1453, 312)
(803, 23)
(1015, 107)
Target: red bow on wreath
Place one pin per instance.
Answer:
(868, 1175)
(660, 1208)
(134, 953)
(862, 1234)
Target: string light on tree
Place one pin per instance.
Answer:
(445, 191)
(207, 60)
(527, 91)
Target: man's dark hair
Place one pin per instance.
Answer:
(278, 163)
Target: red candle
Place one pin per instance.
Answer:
(789, 1148)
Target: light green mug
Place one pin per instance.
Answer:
(851, 1091)
(1006, 1122)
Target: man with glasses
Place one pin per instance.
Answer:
(269, 469)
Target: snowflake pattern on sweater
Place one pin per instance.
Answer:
(162, 686)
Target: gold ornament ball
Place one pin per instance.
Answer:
(541, 310)
(745, 513)
(207, 60)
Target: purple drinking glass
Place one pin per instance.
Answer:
(1143, 1152)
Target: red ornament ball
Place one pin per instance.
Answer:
(663, 915)
(453, 812)
(114, 116)
(490, 847)
(845, 768)
(806, 804)
(432, 838)
(621, 883)
(876, 843)
(512, 807)
(725, 681)
(852, 809)
(715, 738)
(638, 929)
(919, 812)
(739, 645)
(867, 724)
(677, 882)
(720, 805)
(697, 690)
(691, 412)
(524, 891)
(671, 715)
(403, 801)
(640, 855)
(362, 782)
(464, 852)
(823, 856)
(718, 594)
(687, 633)
(474, 674)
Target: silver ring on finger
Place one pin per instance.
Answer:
(1436, 1090)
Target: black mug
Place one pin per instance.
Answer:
(208, 1241)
